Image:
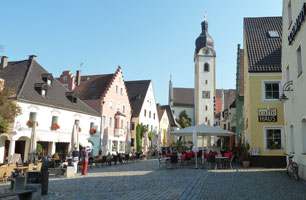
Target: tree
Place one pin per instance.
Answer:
(8, 108)
(184, 120)
(140, 129)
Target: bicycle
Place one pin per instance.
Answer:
(292, 167)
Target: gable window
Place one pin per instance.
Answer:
(145, 112)
(206, 67)
(123, 108)
(154, 116)
(299, 60)
(49, 82)
(271, 90)
(43, 92)
(116, 88)
(206, 108)
(273, 138)
(103, 120)
(133, 126)
(121, 91)
(121, 124)
(65, 78)
(118, 106)
(149, 114)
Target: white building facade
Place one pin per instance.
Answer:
(294, 80)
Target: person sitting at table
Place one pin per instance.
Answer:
(64, 164)
(168, 154)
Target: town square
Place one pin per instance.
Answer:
(153, 99)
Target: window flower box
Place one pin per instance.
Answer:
(92, 131)
(30, 123)
(80, 129)
(55, 126)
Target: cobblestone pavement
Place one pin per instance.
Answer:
(143, 180)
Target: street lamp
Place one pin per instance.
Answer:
(286, 87)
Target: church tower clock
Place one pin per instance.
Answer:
(205, 73)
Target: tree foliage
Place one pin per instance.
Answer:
(184, 120)
(8, 107)
(140, 130)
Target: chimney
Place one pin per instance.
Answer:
(78, 77)
(32, 57)
(3, 62)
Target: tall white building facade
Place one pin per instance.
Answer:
(294, 80)
(205, 76)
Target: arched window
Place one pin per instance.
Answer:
(206, 67)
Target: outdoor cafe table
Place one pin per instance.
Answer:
(222, 162)
(21, 169)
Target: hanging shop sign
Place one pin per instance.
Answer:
(297, 24)
(267, 115)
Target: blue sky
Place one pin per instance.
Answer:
(149, 39)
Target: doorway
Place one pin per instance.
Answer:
(20, 148)
(62, 150)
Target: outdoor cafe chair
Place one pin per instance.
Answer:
(212, 161)
(103, 161)
(173, 160)
(3, 176)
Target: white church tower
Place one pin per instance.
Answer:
(205, 82)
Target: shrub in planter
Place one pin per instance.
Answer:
(55, 156)
(55, 126)
(30, 123)
(92, 131)
(245, 154)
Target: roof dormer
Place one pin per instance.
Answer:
(47, 78)
(72, 96)
(41, 88)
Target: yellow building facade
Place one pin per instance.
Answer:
(263, 111)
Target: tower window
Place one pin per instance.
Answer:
(206, 82)
(206, 67)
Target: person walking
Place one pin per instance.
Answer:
(75, 159)
(84, 159)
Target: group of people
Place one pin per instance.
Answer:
(83, 157)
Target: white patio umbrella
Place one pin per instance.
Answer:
(145, 142)
(128, 142)
(33, 144)
(105, 141)
(74, 138)
(202, 130)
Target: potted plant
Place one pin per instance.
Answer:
(92, 131)
(30, 123)
(54, 126)
(245, 155)
(55, 156)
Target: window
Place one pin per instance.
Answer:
(110, 122)
(151, 128)
(206, 67)
(145, 112)
(43, 93)
(132, 142)
(123, 108)
(54, 120)
(291, 139)
(103, 120)
(33, 116)
(228, 126)
(66, 86)
(299, 61)
(115, 146)
(273, 139)
(116, 123)
(121, 91)
(121, 146)
(133, 126)
(149, 114)
(49, 82)
(111, 104)
(121, 124)
(304, 135)
(206, 108)
(206, 119)
(206, 82)
(127, 125)
(273, 34)
(65, 78)
(118, 106)
(271, 90)
(154, 116)
(116, 88)
(289, 13)
(92, 125)
(224, 126)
